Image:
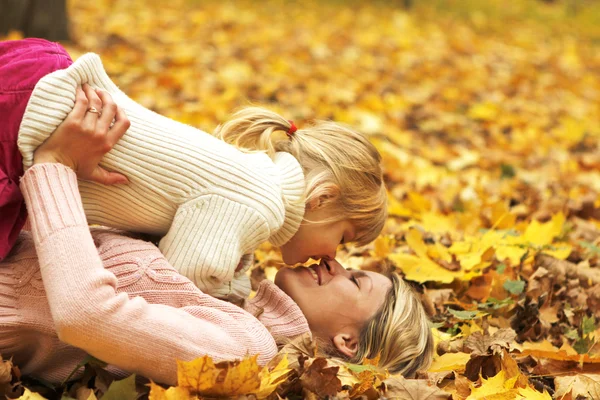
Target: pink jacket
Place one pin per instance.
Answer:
(116, 298)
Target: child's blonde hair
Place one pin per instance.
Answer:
(341, 167)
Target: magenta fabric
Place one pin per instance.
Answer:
(22, 64)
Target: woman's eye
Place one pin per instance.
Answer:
(355, 281)
(342, 241)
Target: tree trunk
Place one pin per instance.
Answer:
(35, 18)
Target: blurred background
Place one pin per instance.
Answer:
(486, 113)
(469, 101)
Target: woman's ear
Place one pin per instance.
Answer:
(346, 343)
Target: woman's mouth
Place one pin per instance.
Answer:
(315, 273)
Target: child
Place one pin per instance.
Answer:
(213, 199)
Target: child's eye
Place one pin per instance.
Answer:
(342, 241)
(355, 281)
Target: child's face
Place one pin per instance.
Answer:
(316, 241)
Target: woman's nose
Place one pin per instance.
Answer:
(335, 267)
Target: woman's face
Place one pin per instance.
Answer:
(334, 300)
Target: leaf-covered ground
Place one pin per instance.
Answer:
(488, 118)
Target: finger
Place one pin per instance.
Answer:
(119, 128)
(81, 105)
(109, 110)
(100, 175)
(93, 101)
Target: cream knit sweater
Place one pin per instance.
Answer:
(212, 203)
(65, 292)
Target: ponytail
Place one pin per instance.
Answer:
(255, 129)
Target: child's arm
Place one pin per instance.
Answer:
(88, 313)
(207, 240)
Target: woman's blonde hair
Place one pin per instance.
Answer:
(399, 334)
(341, 167)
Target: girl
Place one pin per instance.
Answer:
(213, 199)
(102, 289)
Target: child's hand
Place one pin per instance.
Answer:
(85, 136)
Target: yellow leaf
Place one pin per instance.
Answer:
(383, 245)
(501, 216)
(398, 209)
(450, 362)
(197, 375)
(484, 111)
(466, 159)
(560, 251)
(439, 251)
(436, 223)
(241, 378)
(414, 239)
(530, 393)
(422, 269)
(417, 202)
(28, 395)
(469, 328)
(495, 388)
(172, 393)
(202, 376)
(542, 234)
(269, 380)
(513, 253)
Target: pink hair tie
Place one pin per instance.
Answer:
(292, 129)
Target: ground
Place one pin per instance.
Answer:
(487, 117)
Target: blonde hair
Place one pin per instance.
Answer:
(342, 169)
(399, 334)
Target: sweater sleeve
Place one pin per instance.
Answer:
(89, 313)
(207, 239)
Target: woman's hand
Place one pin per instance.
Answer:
(85, 136)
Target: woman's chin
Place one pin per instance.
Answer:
(281, 277)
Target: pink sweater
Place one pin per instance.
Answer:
(116, 298)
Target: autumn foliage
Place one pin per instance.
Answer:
(489, 125)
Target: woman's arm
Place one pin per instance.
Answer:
(88, 313)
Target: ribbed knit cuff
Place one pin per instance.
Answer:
(53, 99)
(52, 198)
(277, 311)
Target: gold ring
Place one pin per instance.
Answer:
(94, 110)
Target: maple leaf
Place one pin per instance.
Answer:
(545, 349)
(420, 267)
(585, 385)
(198, 375)
(495, 388)
(482, 345)
(320, 379)
(271, 379)
(172, 393)
(450, 362)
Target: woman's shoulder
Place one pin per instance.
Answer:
(107, 239)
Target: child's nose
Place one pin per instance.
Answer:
(330, 256)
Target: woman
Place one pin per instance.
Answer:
(118, 299)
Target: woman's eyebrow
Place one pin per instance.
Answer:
(362, 274)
